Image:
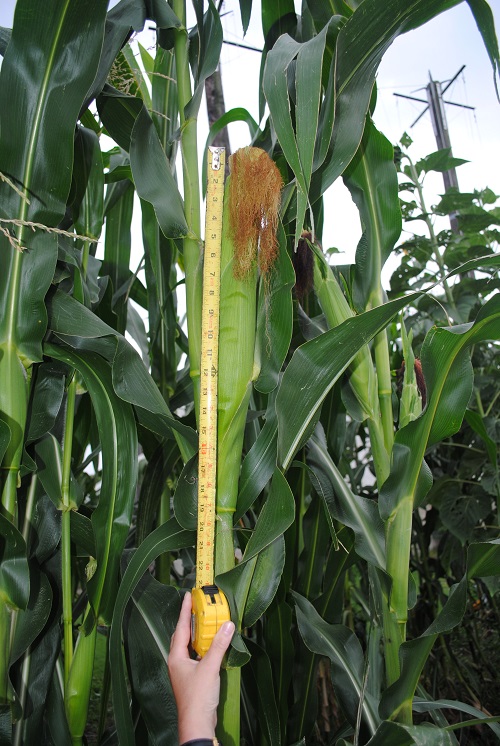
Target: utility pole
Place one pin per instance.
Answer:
(436, 105)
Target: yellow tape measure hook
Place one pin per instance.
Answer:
(210, 607)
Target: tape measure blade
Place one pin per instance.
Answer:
(207, 470)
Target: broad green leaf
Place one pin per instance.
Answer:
(42, 659)
(251, 586)
(372, 180)
(5, 35)
(117, 250)
(186, 495)
(450, 704)
(358, 513)
(88, 176)
(205, 48)
(312, 559)
(79, 327)
(414, 653)
(49, 470)
(343, 649)
(246, 12)
(160, 466)
(314, 369)
(274, 319)
(441, 160)
(4, 438)
(253, 583)
(125, 17)
(484, 18)
(260, 674)
(134, 71)
(14, 570)
(147, 60)
(361, 44)
(153, 176)
(48, 392)
(165, 113)
(31, 621)
(259, 463)
(274, 518)
(448, 377)
(150, 623)
(82, 534)
(165, 538)
(237, 114)
(483, 559)
(395, 734)
(280, 647)
(298, 147)
(118, 436)
(45, 48)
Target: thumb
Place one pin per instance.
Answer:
(220, 644)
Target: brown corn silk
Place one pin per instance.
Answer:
(254, 200)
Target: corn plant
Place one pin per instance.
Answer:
(325, 480)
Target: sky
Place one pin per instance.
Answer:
(441, 47)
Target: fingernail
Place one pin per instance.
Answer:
(228, 628)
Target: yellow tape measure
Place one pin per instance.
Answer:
(210, 607)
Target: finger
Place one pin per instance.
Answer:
(182, 635)
(220, 644)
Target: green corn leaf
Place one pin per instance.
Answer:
(358, 513)
(14, 570)
(420, 705)
(150, 623)
(254, 581)
(165, 112)
(476, 422)
(261, 681)
(314, 369)
(372, 180)
(134, 72)
(414, 653)
(79, 327)
(117, 250)
(484, 18)
(237, 114)
(5, 36)
(125, 17)
(259, 463)
(483, 559)
(298, 147)
(205, 48)
(165, 538)
(274, 319)
(88, 178)
(48, 392)
(129, 123)
(186, 495)
(153, 176)
(32, 620)
(68, 41)
(361, 44)
(394, 734)
(118, 436)
(160, 466)
(4, 438)
(448, 376)
(246, 12)
(280, 644)
(147, 60)
(49, 470)
(343, 649)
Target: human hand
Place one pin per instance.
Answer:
(196, 684)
